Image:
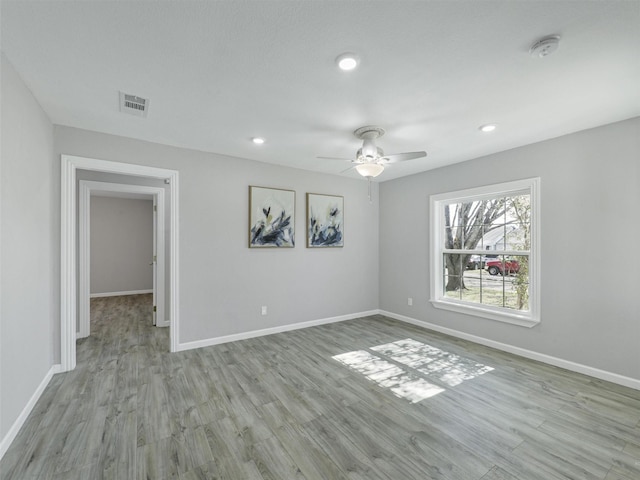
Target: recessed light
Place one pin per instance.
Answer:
(257, 140)
(347, 61)
(489, 127)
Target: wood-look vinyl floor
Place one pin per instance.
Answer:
(408, 404)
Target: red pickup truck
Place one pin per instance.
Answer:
(498, 266)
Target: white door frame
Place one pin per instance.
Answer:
(89, 188)
(157, 252)
(68, 248)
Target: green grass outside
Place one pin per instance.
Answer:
(497, 295)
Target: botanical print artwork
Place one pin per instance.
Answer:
(271, 217)
(325, 218)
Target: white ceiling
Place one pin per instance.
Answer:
(218, 73)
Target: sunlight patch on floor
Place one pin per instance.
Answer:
(449, 368)
(388, 375)
(414, 356)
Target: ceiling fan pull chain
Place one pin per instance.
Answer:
(369, 185)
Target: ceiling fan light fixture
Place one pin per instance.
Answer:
(369, 170)
(347, 61)
(369, 154)
(258, 140)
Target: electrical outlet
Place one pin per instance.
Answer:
(264, 310)
(410, 301)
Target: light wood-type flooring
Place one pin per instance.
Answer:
(371, 398)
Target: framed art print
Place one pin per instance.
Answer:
(271, 217)
(325, 220)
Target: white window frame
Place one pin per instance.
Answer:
(530, 186)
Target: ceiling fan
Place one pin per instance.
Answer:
(370, 159)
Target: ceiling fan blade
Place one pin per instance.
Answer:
(400, 157)
(350, 168)
(336, 158)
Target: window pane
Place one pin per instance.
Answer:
(453, 263)
(471, 291)
(518, 237)
(492, 290)
(474, 262)
(452, 212)
(471, 295)
(472, 220)
(453, 237)
(493, 236)
(472, 213)
(517, 296)
(494, 264)
(520, 208)
(453, 229)
(519, 264)
(494, 225)
(518, 217)
(496, 211)
(451, 289)
(452, 275)
(519, 283)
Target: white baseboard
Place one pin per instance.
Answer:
(541, 357)
(119, 294)
(17, 425)
(269, 331)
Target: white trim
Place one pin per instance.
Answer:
(84, 260)
(67, 265)
(541, 357)
(88, 189)
(19, 422)
(154, 263)
(436, 227)
(174, 279)
(119, 294)
(269, 331)
(484, 311)
(68, 280)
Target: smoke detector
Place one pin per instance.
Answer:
(545, 46)
(133, 104)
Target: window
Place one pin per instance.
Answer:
(484, 252)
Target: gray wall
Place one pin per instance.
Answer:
(590, 201)
(223, 283)
(30, 247)
(121, 244)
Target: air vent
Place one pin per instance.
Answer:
(133, 105)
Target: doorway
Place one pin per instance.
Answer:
(156, 258)
(69, 266)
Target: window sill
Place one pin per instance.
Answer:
(478, 311)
